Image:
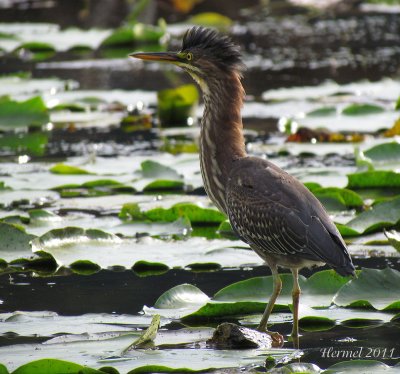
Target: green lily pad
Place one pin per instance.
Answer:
(176, 105)
(15, 242)
(163, 369)
(52, 366)
(251, 296)
(324, 111)
(374, 288)
(374, 179)
(153, 169)
(194, 213)
(131, 34)
(33, 144)
(362, 109)
(32, 112)
(164, 185)
(67, 169)
(71, 244)
(384, 152)
(357, 366)
(211, 19)
(380, 216)
(99, 187)
(343, 196)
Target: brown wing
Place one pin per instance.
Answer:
(273, 211)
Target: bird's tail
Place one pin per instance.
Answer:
(347, 270)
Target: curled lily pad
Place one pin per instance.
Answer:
(394, 238)
(15, 242)
(153, 169)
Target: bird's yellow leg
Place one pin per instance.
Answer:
(296, 299)
(264, 319)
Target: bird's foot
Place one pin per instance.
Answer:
(277, 339)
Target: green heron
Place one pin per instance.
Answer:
(281, 220)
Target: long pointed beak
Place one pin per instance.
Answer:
(156, 56)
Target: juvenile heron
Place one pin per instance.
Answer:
(269, 209)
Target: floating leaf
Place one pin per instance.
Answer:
(193, 212)
(384, 152)
(324, 111)
(345, 197)
(176, 105)
(32, 112)
(15, 242)
(164, 185)
(129, 35)
(211, 19)
(373, 179)
(33, 143)
(70, 235)
(52, 366)
(67, 169)
(99, 187)
(153, 169)
(358, 366)
(251, 296)
(362, 109)
(394, 238)
(373, 288)
(379, 216)
(181, 296)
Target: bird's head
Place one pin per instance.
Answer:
(205, 55)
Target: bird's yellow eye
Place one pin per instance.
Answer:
(189, 56)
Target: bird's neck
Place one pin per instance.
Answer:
(221, 139)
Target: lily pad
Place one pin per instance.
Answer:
(176, 105)
(67, 169)
(33, 144)
(49, 366)
(193, 212)
(15, 242)
(211, 19)
(343, 196)
(32, 112)
(251, 296)
(394, 238)
(374, 179)
(153, 169)
(379, 216)
(362, 109)
(72, 244)
(384, 152)
(374, 288)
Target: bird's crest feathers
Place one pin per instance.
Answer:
(214, 45)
